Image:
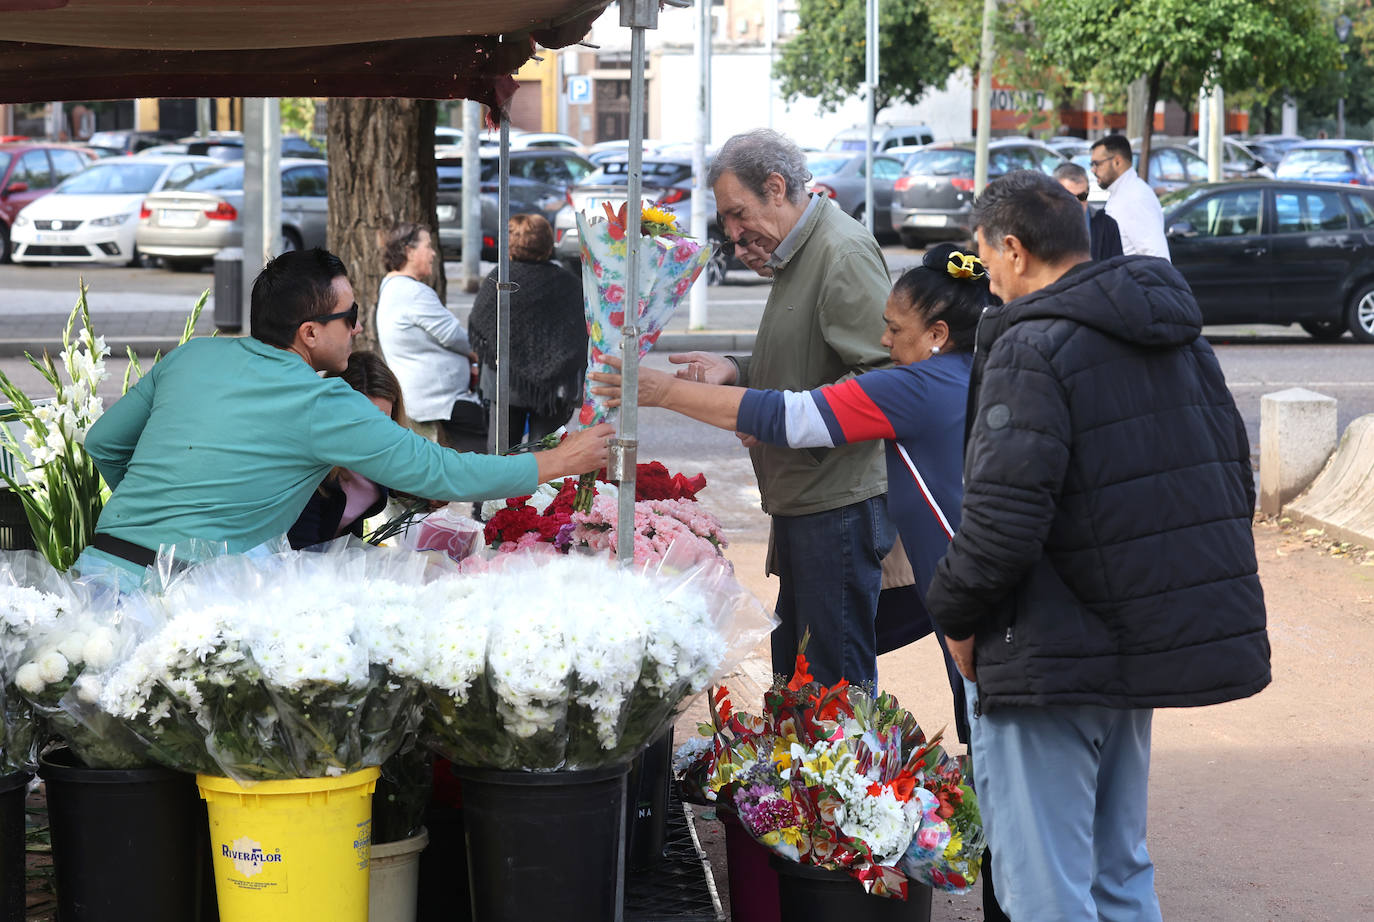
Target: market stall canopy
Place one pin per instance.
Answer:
(432, 49)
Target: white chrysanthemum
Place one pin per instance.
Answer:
(52, 666)
(70, 645)
(29, 678)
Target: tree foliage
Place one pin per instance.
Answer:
(1266, 45)
(826, 58)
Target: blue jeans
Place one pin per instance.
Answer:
(829, 567)
(1063, 793)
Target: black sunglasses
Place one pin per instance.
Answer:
(725, 245)
(351, 315)
(1083, 196)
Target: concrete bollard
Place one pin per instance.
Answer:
(1297, 435)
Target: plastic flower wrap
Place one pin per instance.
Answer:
(834, 778)
(91, 630)
(668, 265)
(544, 662)
(33, 596)
(271, 663)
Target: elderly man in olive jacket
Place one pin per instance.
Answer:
(823, 322)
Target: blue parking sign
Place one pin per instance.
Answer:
(579, 90)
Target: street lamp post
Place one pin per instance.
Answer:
(1342, 34)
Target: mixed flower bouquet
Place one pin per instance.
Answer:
(667, 515)
(544, 662)
(271, 667)
(835, 778)
(668, 265)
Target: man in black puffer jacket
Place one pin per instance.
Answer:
(1105, 563)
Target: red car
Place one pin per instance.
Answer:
(29, 170)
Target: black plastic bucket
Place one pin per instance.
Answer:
(805, 892)
(545, 845)
(646, 806)
(128, 845)
(14, 788)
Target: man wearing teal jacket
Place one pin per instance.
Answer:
(225, 439)
(823, 322)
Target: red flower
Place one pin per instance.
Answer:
(617, 317)
(585, 415)
(615, 221)
(615, 294)
(801, 676)
(511, 522)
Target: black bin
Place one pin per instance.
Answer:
(229, 288)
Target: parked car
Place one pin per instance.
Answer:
(933, 198)
(539, 182)
(1271, 147)
(602, 151)
(1271, 251)
(840, 177)
(28, 171)
(1068, 145)
(92, 216)
(129, 141)
(1237, 160)
(231, 148)
(667, 184)
(163, 149)
(1329, 161)
(194, 217)
(884, 137)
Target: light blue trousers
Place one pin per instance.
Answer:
(1063, 793)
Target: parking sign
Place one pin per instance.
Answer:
(579, 90)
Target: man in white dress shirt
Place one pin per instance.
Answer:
(1130, 200)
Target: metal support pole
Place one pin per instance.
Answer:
(472, 196)
(985, 64)
(871, 75)
(498, 436)
(697, 306)
(638, 15)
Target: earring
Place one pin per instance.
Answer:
(934, 350)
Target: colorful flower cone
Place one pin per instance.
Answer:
(668, 265)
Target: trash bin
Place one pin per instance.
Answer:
(229, 288)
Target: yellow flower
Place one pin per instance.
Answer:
(652, 215)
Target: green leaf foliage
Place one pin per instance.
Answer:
(826, 58)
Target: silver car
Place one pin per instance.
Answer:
(840, 176)
(189, 221)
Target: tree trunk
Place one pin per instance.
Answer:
(381, 171)
(1151, 97)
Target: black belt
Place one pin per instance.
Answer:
(134, 553)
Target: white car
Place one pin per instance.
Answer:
(92, 216)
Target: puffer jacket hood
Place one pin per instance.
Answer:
(1138, 299)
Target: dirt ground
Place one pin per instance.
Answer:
(1260, 809)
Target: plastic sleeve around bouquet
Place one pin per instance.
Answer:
(93, 631)
(32, 596)
(272, 658)
(583, 662)
(669, 265)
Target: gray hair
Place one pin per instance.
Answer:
(755, 155)
(1036, 210)
(1070, 171)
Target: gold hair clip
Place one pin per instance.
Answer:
(964, 266)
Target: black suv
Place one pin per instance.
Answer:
(539, 182)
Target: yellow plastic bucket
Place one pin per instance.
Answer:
(291, 851)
